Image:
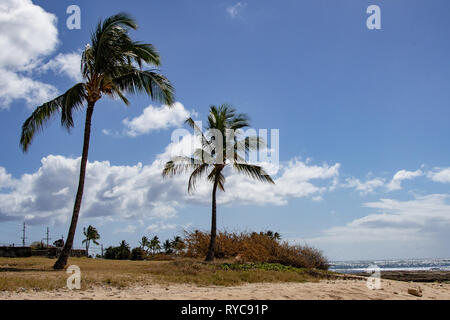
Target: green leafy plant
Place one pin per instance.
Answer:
(122, 252)
(138, 254)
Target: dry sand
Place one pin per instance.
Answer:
(326, 289)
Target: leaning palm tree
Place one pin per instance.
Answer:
(90, 234)
(218, 150)
(111, 65)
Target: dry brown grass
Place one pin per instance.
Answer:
(254, 247)
(36, 273)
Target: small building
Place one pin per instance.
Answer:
(23, 252)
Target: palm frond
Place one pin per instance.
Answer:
(221, 182)
(224, 119)
(195, 175)
(253, 171)
(87, 62)
(150, 82)
(239, 121)
(120, 19)
(179, 165)
(71, 100)
(117, 92)
(203, 156)
(217, 173)
(144, 52)
(109, 41)
(206, 144)
(249, 144)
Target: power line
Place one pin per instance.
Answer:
(47, 237)
(24, 235)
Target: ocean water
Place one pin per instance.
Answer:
(391, 265)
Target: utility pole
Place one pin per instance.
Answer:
(102, 250)
(48, 236)
(23, 236)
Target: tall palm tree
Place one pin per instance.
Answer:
(215, 154)
(111, 65)
(91, 234)
(155, 245)
(168, 247)
(178, 244)
(144, 243)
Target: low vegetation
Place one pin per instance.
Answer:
(36, 273)
(239, 258)
(264, 247)
(245, 247)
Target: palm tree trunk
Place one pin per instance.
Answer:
(87, 248)
(64, 256)
(212, 242)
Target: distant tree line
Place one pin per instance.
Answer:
(147, 248)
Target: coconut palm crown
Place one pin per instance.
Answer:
(90, 234)
(111, 65)
(222, 145)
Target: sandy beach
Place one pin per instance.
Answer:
(355, 289)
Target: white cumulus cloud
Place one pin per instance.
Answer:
(135, 193)
(14, 86)
(157, 118)
(6, 179)
(155, 227)
(401, 175)
(68, 64)
(28, 35)
(128, 229)
(441, 175)
(365, 187)
(420, 225)
(235, 10)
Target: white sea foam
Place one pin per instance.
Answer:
(391, 265)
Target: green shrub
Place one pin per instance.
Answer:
(138, 254)
(122, 252)
(110, 253)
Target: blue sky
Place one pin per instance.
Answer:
(363, 119)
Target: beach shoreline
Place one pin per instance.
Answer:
(349, 289)
(185, 279)
(440, 276)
